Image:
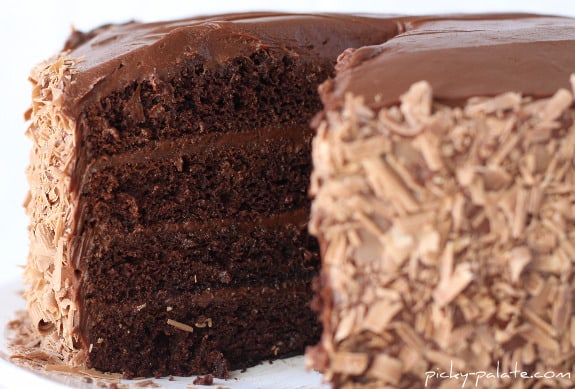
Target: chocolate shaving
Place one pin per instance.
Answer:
(49, 271)
(208, 379)
(180, 326)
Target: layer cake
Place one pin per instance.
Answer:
(169, 202)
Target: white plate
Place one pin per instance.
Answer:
(286, 373)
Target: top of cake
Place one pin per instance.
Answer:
(530, 54)
(461, 57)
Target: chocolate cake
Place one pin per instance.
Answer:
(169, 197)
(444, 192)
(168, 190)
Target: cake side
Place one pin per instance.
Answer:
(51, 206)
(446, 238)
(442, 203)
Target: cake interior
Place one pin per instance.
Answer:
(188, 189)
(169, 190)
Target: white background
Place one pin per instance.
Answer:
(33, 30)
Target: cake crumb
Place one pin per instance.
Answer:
(204, 322)
(208, 379)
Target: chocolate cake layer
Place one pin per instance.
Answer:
(264, 171)
(196, 333)
(216, 254)
(244, 93)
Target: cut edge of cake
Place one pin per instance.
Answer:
(73, 92)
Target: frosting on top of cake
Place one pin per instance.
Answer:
(461, 56)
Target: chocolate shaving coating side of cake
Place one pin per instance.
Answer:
(444, 192)
(168, 198)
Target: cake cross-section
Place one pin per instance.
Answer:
(168, 190)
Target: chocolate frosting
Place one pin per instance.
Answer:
(461, 57)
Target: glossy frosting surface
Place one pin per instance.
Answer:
(461, 57)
